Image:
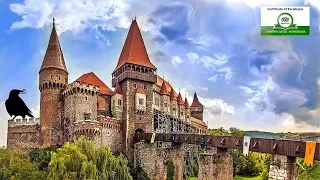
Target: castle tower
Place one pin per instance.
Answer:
(53, 78)
(135, 72)
(173, 103)
(164, 99)
(117, 103)
(181, 107)
(187, 110)
(196, 108)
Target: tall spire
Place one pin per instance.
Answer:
(196, 101)
(54, 56)
(173, 94)
(186, 104)
(163, 90)
(134, 50)
(180, 101)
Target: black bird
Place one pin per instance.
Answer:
(15, 105)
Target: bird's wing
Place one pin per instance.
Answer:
(8, 107)
(23, 108)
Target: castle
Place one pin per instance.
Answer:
(140, 102)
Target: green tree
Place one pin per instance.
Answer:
(17, 165)
(84, 160)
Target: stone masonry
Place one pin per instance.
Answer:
(215, 164)
(283, 168)
(153, 161)
(23, 134)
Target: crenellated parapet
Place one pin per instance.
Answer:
(87, 128)
(110, 123)
(23, 122)
(77, 87)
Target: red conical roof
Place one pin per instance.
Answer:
(91, 78)
(134, 50)
(117, 90)
(180, 101)
(196, 102)
(163, 90)
(186, 104)
(54, 56)
(173, 94)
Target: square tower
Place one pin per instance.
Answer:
(136, 76)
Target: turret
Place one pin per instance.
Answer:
(196, 108)
(117, 103)
(164, 99)
(187, 110)
(173, 103)
(53, 78)
(181, 108)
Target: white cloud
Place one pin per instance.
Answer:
(213, 78)
(226, 72)
(208, 62)
(247, 90)
(76, 16)
(176, 60)
(4, 117)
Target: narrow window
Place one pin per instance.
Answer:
(140, 101)
(135, 86)
(86, 98)
(114, 102)
(119, 102)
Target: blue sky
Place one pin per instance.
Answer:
(212, 47)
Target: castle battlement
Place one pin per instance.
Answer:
(77, 87)
(23, 122)
(86, 124)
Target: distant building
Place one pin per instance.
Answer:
(140, 102)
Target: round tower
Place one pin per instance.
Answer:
(53, 78)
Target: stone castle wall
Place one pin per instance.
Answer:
(111, 134)
(104, 105)
(153, 161)
(79, 100)
(23, 134)
(131, 120)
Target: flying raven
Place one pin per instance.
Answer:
(15, 105)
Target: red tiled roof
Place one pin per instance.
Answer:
(198, 121)
(91, 78)
(173, 94)
(134, 50)
(160, 81)
(180, 101)
(118, 90)
(163, 90)
(140, 90)
(54, 56)
(196, 102)
(186, 104)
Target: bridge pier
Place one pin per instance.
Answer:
(215, 165)
(283, 168)
(154, 161)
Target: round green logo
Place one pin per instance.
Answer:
(285, 20)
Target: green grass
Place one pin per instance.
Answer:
(192, 178)
(246, 178)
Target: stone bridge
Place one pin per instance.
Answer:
(215, 163)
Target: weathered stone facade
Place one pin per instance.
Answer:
(283, 168)
(153, 161)
(23, 134)
(215, 164)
